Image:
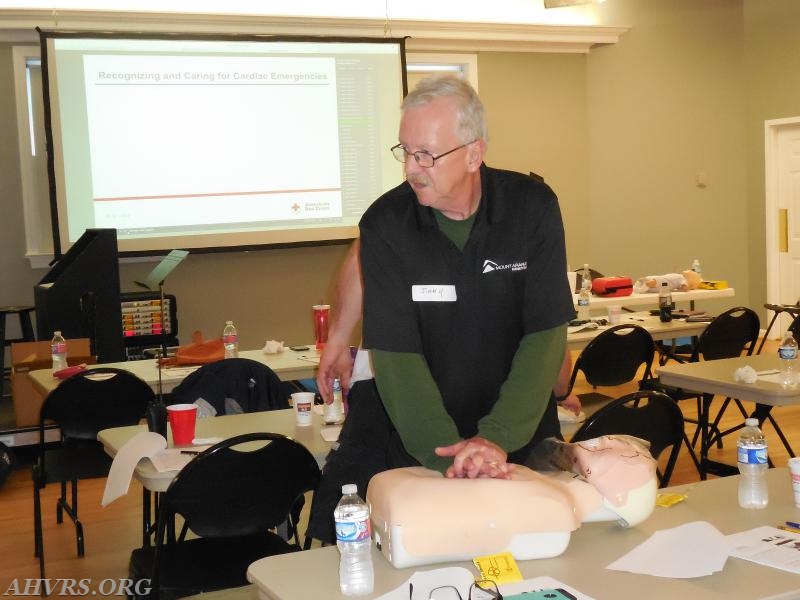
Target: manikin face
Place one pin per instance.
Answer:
(449, 185)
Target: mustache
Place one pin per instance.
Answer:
(416, 179)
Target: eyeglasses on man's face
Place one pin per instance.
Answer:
(483, 589)
(423, 157)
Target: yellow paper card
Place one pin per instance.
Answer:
(500, 568)
(667, 500)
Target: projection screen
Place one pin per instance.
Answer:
(217, 142)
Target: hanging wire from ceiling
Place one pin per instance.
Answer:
(387, 27)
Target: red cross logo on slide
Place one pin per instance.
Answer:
(295, 207)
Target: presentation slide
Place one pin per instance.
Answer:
(220, 143)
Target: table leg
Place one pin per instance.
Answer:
(702, 424)
(147, 527)
(706, 465)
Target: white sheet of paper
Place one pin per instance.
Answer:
(330, 434)
(147, 445)
(144, 444)
(693, 549)
(170, 459)
(768, 546)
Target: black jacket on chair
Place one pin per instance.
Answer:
(253, 385)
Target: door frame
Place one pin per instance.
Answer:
(772, 130)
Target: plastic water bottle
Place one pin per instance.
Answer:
(58, 350)
(788, 354)
(752, 459)
(356, 575)
(334, 412)
(230, 339)
(696, 267)
(664, 303)
(585, 295)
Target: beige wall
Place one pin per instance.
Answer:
(772, 91)
(665, 104)
(536, 106)
(619, 134)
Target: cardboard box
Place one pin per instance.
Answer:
(30, 356)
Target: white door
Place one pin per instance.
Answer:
(783, 215)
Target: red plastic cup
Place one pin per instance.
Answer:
(182, 419)
(321, 314)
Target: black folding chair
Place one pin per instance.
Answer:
(231, 496)
(613, 358)
(646, 414)
(732, 333)
(82, 406)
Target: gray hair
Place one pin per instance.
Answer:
(471, 115)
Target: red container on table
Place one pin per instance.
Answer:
(321, 316)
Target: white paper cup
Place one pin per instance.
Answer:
(303, 404)
(794, 472)
(614, 314)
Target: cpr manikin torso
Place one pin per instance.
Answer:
(420, 517)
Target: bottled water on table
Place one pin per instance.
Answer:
(58, 350)
(334, 412)
(788, 353)
(585, 295)
(356, 575)
(753, 465)
(696, 267)
(230, 339)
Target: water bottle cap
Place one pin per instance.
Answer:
(349, 488)
(228, 322)
(751, 422)
(55, 333)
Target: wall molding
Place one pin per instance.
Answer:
(438, 36)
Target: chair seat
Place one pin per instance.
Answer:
(79, 462)
(217, 563)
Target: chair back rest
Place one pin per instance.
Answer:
(615, 356)
(729, 335)
(253, 385)
(96, 399)
(659, 421)
(243, 485)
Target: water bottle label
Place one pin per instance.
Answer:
(229, 339)
(753, 456)
(787, 352)
(583, 302)
(353, 531)
(60, 348)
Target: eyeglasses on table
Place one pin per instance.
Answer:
(483, 589)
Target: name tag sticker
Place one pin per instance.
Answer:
(433, 293)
